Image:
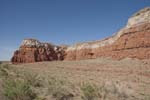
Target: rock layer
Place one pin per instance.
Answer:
(132, 41)
(32, 50)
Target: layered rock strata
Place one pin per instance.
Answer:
(132, 41)
(32, 50)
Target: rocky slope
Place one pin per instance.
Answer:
(32, 50)
(132, 41)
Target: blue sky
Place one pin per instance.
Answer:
(61, 21)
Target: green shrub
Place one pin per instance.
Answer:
(4, 70)
(59, 89)
(90, 92)
(33, 79)
(15, 89)
(18, 85)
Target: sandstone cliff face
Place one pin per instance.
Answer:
(32, 50)
(142, 16)
(132, 41)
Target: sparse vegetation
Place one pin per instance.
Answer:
(4, 70)
(90, 92)
(113, 90)
(103, 92)
(22, 85)
(15, 89)
(60, 89)
(14, 86)
(32, 82)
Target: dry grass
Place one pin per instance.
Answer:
(97, 79)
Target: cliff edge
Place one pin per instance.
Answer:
(132, 41)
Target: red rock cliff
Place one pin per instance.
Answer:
(32, 50)
(132, 41)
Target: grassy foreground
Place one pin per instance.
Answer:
(21, 84)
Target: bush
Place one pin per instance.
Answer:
(33, 79)
(4, 70)
(107, 91)
(116, 90)
(17, 85)
(90, 92)
(59, 89)
(15, 89)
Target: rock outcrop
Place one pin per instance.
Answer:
(32, 50)
(132, 41)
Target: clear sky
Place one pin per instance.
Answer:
(61, 21)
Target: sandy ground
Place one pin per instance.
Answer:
(132, 73)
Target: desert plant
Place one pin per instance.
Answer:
(33, 79)
(114, 90)
(105, 91)
(17, 84)
(16, 89)
(4, 70)
(59, 89)
(90, 92)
